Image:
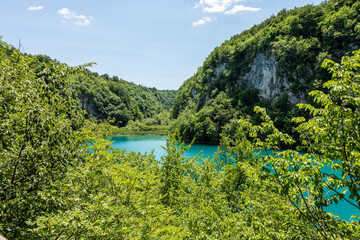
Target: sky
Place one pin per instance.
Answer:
(155, 43)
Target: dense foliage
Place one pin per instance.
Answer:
(112, 99)
(39, 138)
(61, 179)
(298, 40)
(330, 138)
(158, 125)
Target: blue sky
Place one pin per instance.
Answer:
(155, 43)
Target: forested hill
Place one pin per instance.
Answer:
(105, 97)
(274, 64)
(111, 98)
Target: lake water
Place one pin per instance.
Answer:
(145, 143)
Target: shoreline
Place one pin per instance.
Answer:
(133, 133)
(150, 133)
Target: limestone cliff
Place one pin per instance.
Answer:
(264, 76)
(89, 106)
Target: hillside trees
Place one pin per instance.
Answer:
(205, 125)
(291, 46)
(112, 99)
(107, 98)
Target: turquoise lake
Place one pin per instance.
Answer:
(145, 143)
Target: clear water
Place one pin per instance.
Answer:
(148, 144)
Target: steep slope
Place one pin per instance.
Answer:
(107, 98)
(274, 64)
(104, 97)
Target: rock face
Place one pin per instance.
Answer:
(220, 69)
(89, 106)
(263, 76)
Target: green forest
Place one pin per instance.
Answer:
(60, 177)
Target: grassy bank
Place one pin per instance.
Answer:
(162, 131)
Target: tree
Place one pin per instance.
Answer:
(39, 137)
(113, 195)
(330, 137)
(173, 169)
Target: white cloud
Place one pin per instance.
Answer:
(64, 12)
(215, 9)
(203, 21)
(35, 8)
(213, 6)
(74, 17)
(84, 22)
(241, 8)
(223, 6)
